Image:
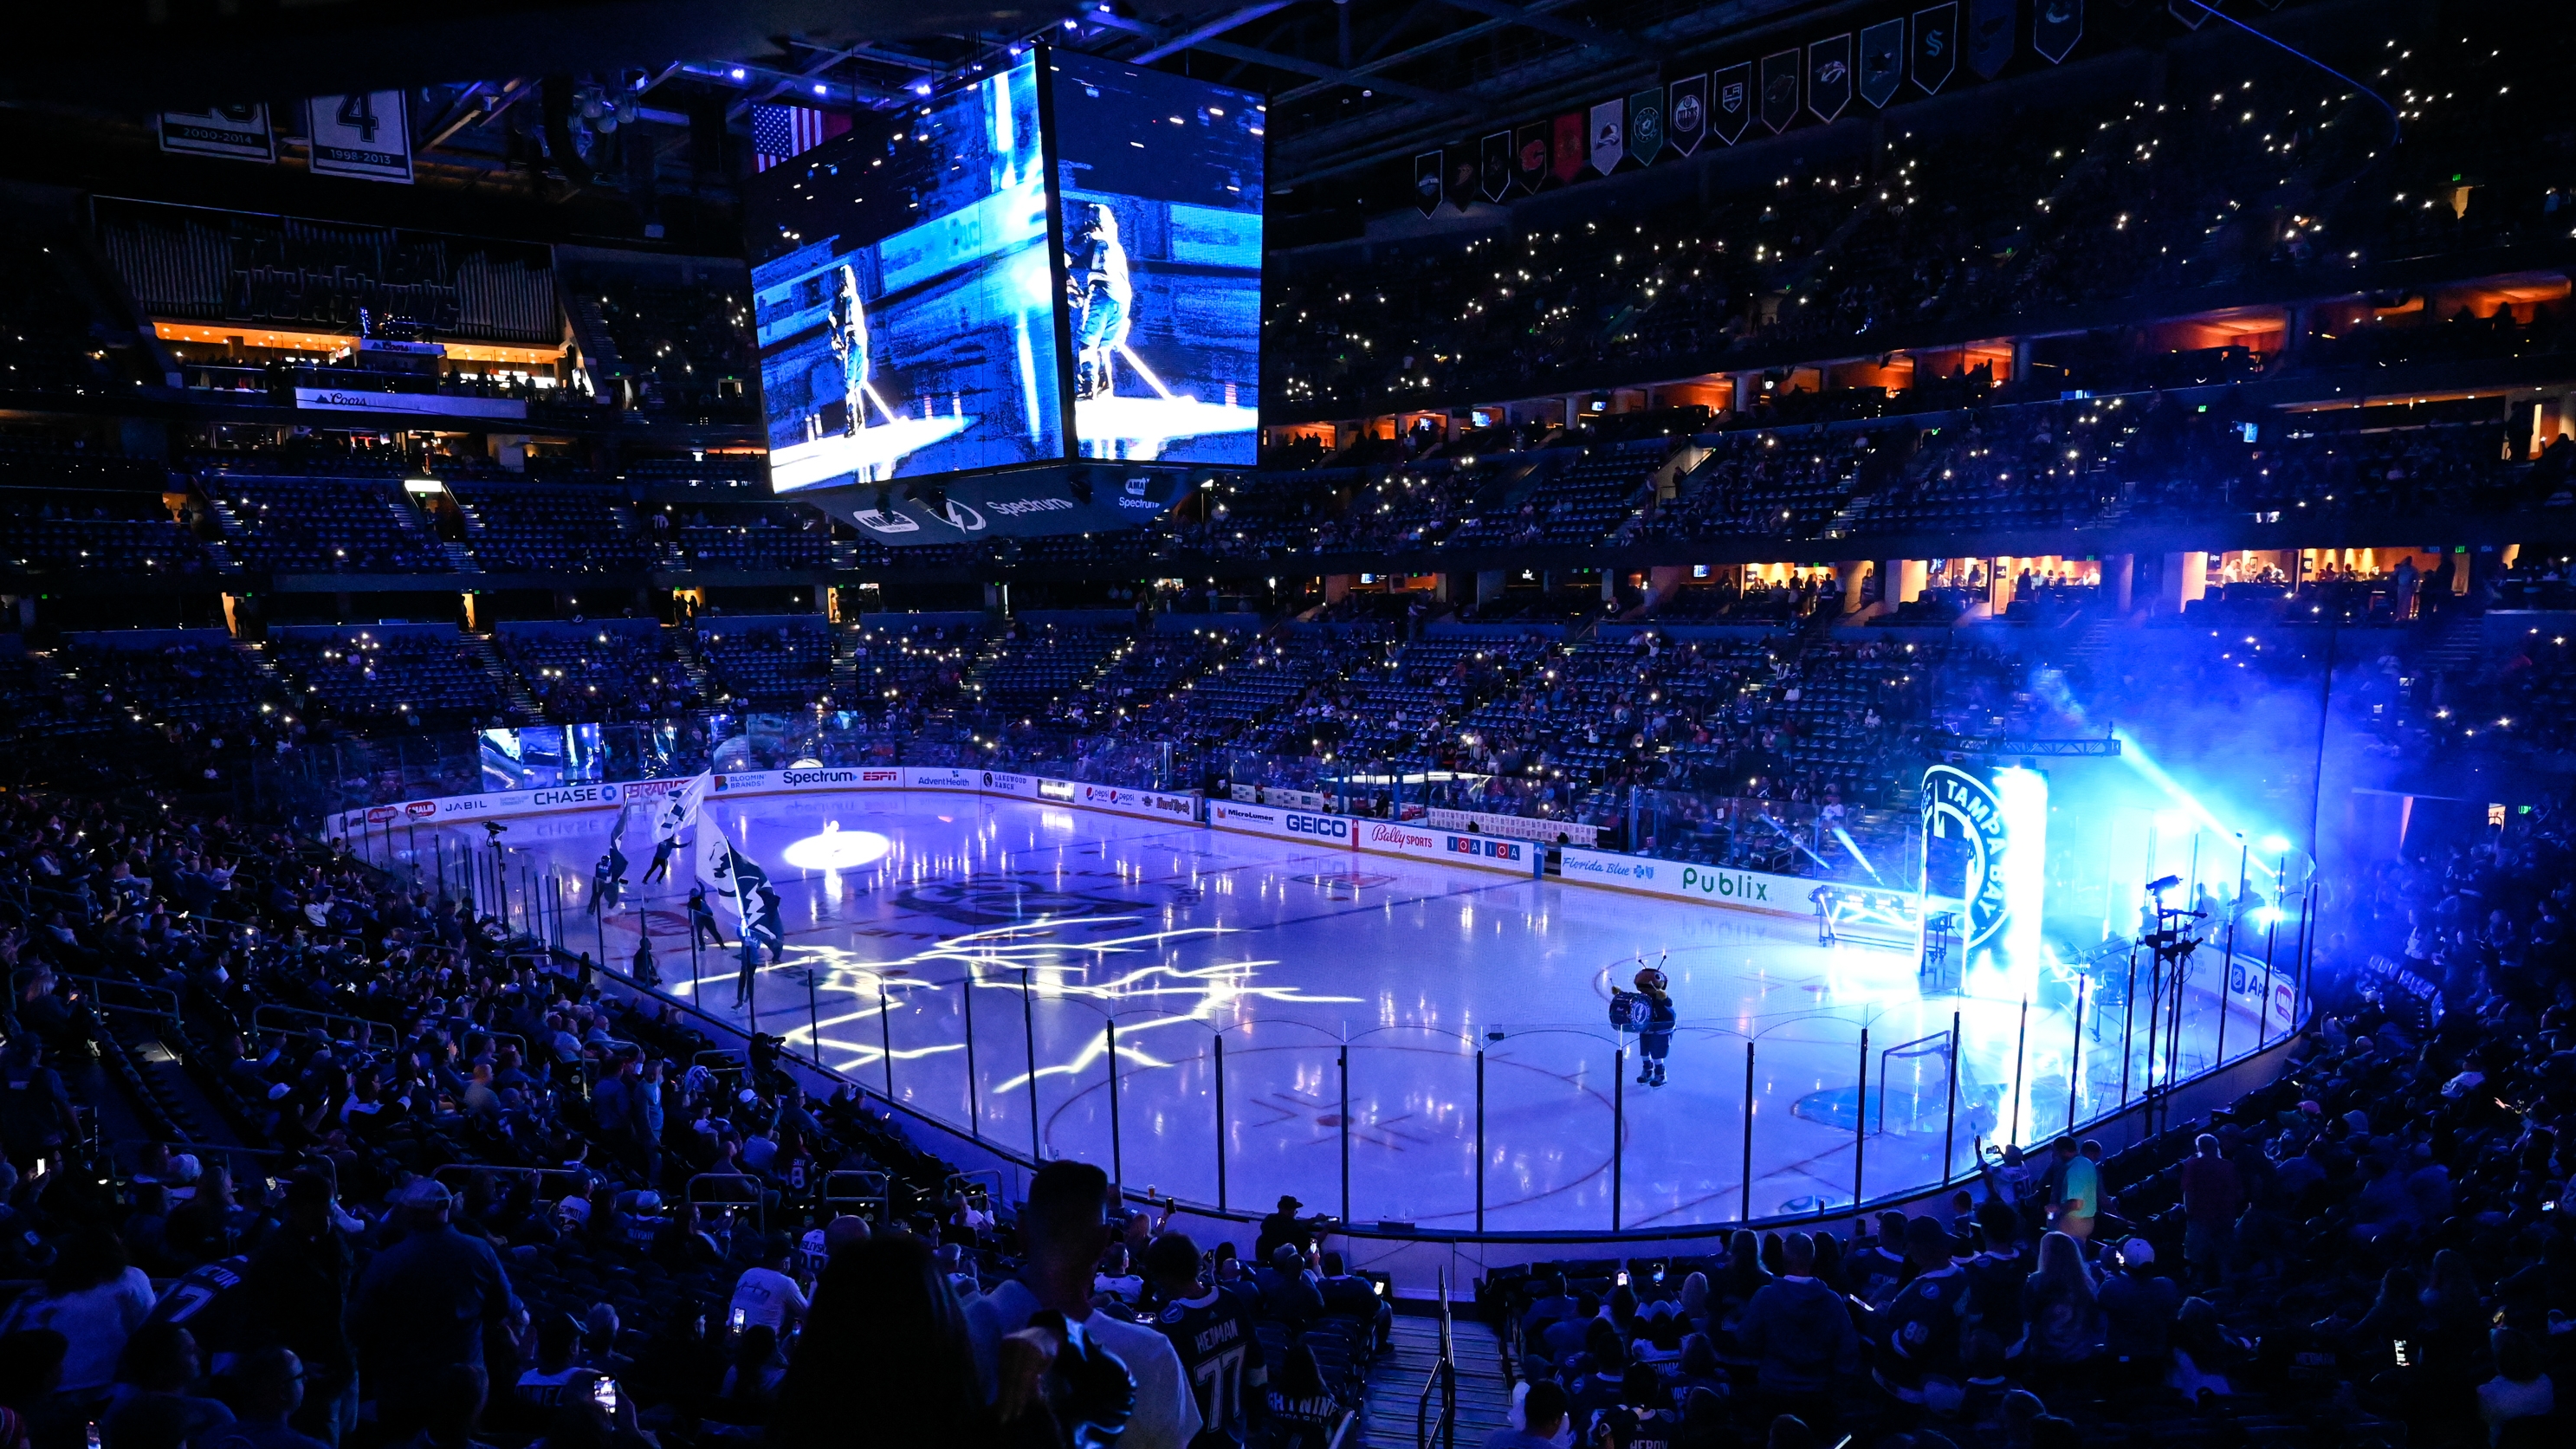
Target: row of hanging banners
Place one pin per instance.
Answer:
(1924, 50)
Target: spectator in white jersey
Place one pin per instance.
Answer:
(1064, 1228)
(765, 1295)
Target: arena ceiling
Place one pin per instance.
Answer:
(1352, 84)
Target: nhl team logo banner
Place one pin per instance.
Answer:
(1829, 76)
(1609, 136)
(1565, 158)
(2056, 28)
(1428, 173)
(1730, 102)
(1991, 24)
(1494, 168)
(1646, 125)
(1780, 89)
(1463, 171)
(1686, 116)
(1936, 46)
(1529, 155)
(1882, 62)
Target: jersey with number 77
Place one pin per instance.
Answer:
(1222, 1357)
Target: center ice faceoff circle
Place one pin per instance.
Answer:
(837, 849)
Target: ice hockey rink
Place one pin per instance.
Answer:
(1345, 997)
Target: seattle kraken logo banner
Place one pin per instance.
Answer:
(1686, 114)
(2056, 28)
(1991, 27)
(1829, 76)
(1936, 46)
(1646, 125)
(1780, 89)
(1496, 166)
(1882, 62)
(1428, 169)
(1730, 102)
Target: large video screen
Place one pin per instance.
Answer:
(1160, 180)
(905, 296)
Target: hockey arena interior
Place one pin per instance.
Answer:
(1579, 723)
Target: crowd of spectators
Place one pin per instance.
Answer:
(2369, 1247)
(2240, 169)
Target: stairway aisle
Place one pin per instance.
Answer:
(1395, 1383)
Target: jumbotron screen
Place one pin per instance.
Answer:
(1159, 178)
(904, 297)
(916, 318)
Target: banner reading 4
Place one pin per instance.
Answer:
(366, 135)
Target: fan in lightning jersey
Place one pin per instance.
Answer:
(1212, 1333)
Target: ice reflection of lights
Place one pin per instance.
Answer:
(1002, 958)
(837, 849)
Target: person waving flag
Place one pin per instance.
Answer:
(733, 882)
(608, 879)
(678, 809)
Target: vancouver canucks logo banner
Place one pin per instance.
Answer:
(1686, 112)
(1646, 125)
(1780, 89)
(1427, 170)
(1829, 76)
(1936, 46)
(1730, 102)
(2056, 27)
(1882, 62)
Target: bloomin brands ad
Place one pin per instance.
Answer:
(1148, 804)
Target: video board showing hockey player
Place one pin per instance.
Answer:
(1160, 180)
(904, 295)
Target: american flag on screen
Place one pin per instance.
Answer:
(778, 132)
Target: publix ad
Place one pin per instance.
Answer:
(1687, 880)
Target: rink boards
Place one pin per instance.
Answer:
(1698, 884)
